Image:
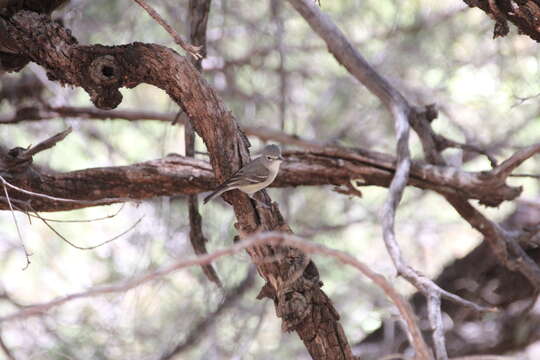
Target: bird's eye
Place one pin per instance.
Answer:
(268, 158)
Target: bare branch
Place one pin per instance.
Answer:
(353, 61)
(519, 13)
(502, 171)
(101, 201)
(270, 238)
(48, 143)
(93, 246)
(80, 220)
(26, 253)
(190, 49)
(18, 160)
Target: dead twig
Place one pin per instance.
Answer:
(190, 49)
(26, 253)
(502, 171)
(79, 220)
(93, 246)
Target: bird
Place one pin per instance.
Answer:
(254, 176)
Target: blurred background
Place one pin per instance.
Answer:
(273, 71)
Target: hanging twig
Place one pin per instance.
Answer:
(26, 253)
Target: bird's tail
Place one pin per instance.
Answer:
(220, 190)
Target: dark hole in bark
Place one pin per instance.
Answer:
(107, 71)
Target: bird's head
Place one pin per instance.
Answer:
(272, 153)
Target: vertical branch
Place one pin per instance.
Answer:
(198, 18)
(437, 326)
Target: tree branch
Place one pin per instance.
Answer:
(102, 70)
(190, 49)
(177, 175)
(198, 18)
(252, 241)
(523, 14)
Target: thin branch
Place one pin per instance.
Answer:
(26, 253)
(47, 144)
(190, 49)
(534, 176)
(80, 220)
(269, 238)
(445, 143)
(277, 17)
(93, 246)
(502, 171)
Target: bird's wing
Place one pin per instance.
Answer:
(258, 173)
(254, 172)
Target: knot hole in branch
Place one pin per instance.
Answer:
(105, 71)
(106, 75)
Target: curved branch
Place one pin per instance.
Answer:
(102, 70)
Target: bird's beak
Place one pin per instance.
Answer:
(281, 158)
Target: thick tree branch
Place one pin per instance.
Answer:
(178, 175)
(525, 15)
(102, 70)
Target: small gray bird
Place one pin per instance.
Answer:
(255, 176)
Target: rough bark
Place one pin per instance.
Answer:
(525, 15)
(177, 175)
(101, 70)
